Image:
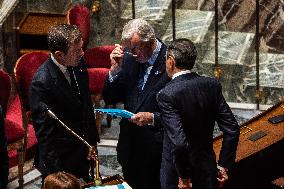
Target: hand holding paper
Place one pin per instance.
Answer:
(143, 118)
(116, 112)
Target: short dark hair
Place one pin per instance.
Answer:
(184, 52)
(60, 37)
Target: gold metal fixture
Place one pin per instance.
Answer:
(245, 130)
(218, 72)
(258, 95)
(282, 102)
(96, 6)
(97, 179)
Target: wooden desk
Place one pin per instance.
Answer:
(258, 162)
(246, 147)
(111, 180)
(33, 29)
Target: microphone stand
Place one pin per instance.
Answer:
(51, 114)
(93, 156)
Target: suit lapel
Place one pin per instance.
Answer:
(62, 84)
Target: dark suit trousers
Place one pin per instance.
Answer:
(168, 175)
(142, 168)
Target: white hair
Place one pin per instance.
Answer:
(139, 26)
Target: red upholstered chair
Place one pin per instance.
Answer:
(14, 129)
(98, 57)
(24, 70)
(5, 84)
(79, 15)
(98, 62)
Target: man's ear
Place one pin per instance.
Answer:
(59, 54)
(172, 62)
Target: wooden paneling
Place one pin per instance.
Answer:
(33, 29)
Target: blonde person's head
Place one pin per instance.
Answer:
(61, 180)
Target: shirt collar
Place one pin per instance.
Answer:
(61, 67)
(181, 73)
(155, 54)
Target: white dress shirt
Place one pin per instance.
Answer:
(62, 68)
(181, 73)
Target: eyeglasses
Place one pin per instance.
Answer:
(130, 53)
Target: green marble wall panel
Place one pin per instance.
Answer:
(147, 9)
(190, 24)
(48, 6)
(233, 54)
(232, 50)
(271, 77)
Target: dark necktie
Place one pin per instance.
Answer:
(142, 72)
(74, 83)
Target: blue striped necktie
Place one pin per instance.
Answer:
(142, 72)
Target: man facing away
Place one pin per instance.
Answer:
(190, 104)
(61, 83)
(137, 73)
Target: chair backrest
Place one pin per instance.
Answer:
(5, 90)
(98, 57)
(25, 68)
(79, 15)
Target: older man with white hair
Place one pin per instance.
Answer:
(137, 73)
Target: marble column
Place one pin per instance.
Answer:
(6, 8)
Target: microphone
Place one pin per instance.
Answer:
(45, 108)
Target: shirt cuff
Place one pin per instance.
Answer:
(111, 77)
(222, 169)
(153, 122)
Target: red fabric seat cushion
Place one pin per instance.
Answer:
(13, 122)
(25, 69)
(79, 15)
(98, 57)
(31, 147)
(97, 77)
(13, 131)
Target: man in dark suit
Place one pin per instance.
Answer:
(190, 104)
(136, 75)
(62, 84)
(4, 169)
